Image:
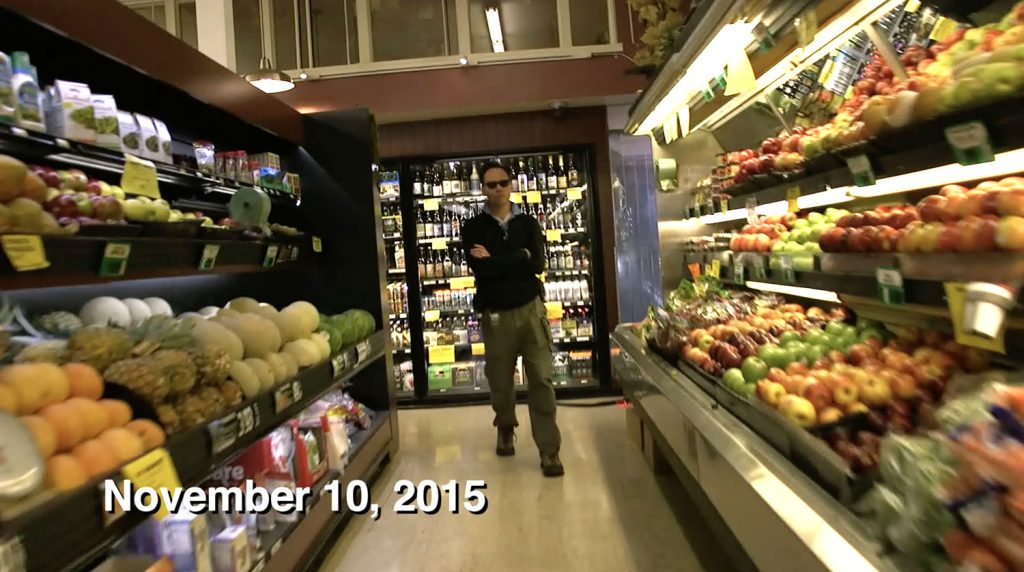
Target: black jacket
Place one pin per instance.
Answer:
(508, 278)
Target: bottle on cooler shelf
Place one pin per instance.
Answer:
(474, 181)
(417, 184)
(457, 178)
(399, 256)
(567, 262)
(437, 185)
(573, 174)
(542, 175)
(562, 180)
(513, 175)
(552, 174)
(421, 227)
(524, 179)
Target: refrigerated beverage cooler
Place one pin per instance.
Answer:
(436, 336)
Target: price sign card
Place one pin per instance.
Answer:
(533, 197)
(154, 469)
(574, 194)
(554, 310)
(442, 354)
(554, 235)
(890, 285)
(209, 258)
(970, 143)
(431, 204)
(25, 251)
(956, 297)
(115, 258)
(793, 199)
(478, 349)
(861, 170)
(139, 177)
(225, 431)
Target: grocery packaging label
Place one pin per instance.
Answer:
(209, 257)
(115, 258)
(139, 177)
(25, 251)
(860, 168)
(554, 235)
(970, 143)
(956, 297)
(154, 469)
(890, 285)
(442, 354)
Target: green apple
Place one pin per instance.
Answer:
(801, 223)
(1011, 54)
(787, 337)
(871, 333)
(748, 390)
(815, 352)
(754, 369)
(815, 218)
(135, 210)
(784, 236)
(117, 192)
(159, 212)
(733, 378)
(207, 221)
(835, 327)
(999, 79)
(175, 216)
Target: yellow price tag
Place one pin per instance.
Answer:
(739, 75)
(154, 469)
(432, 315)
(543, 276)
(554, 310)
(478, 349)
(574, 194)
(724, 202)
(716, 268)
(439, 243)
(462, 283)
(554, 234)
(25, 251)
(431, 204)
(793, 199)
(943, 28)
(912, 6)
(956, 296)
(442, 354)
(139, 177)
(516, 198)
(318, 245)
(533, 197)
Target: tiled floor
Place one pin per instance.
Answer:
(609, 512)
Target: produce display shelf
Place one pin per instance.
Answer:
(81, 534)
(272, 541)
(76, 260)
(912, 148)
(33, 145)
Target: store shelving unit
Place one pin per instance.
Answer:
(337, 260)
(427, 291)
(764, 482)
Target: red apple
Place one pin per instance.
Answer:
(885, 239)
(1010, 202)
(63, 206)
(833, 239)
(950, 238)
(978, 234)
(818, 394)
(1010, 233)
(949, 190)
(872, 218)
(845, 392)
(933, 209)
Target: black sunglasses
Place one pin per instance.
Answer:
(495, 184)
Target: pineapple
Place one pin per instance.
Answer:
(160, 332)
(213, 364)
(141, 375)
(231, 392)
(99, 346)
(177, 368)
(60, 324)
(168, 418)
(191, 410)
(212, 400)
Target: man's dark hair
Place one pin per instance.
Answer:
(494, 165)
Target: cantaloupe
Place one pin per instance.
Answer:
(83, 380)
(105, 311)
(43, 434)
(212, 334)
(35, 385)
(119, 412)
(265, 310)
(125, 443)
(66, 422)
(290, 363)
(290, 325)
(259, 335)
(8, 400)
(158, 306)
(64, 473)
(324, 346)
(151, 434)
(95, 418)
(262, 371)
(96, 457)
(138, 309)
(247, 378)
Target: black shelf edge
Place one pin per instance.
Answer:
(76, 260)
(83, 536)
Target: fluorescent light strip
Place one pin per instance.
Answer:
(706, 66)
(1007, 163)
(809, 293)
(494, 29)
(827, 39)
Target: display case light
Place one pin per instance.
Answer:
(709, 64)
(838, 31)
(1006, 163)
(799, 291)
(494, 29)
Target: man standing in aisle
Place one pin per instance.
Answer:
(505, 249)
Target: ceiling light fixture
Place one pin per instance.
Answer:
(268, 79)
(494, 29)
(463, 61)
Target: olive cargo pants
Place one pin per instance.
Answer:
(507, 335)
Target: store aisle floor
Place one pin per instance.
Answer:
(608, 512)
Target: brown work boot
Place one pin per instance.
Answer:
(551, 466)
(506, 442)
